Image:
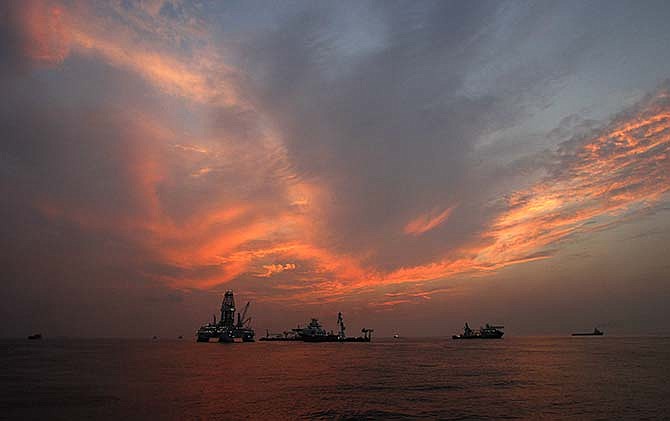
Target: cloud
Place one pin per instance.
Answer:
(597, 183)
(52, 30)
(427, 222)
(277, 268)
(180, 146)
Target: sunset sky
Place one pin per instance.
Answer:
(414, 165)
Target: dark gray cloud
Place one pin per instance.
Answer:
(393, 131)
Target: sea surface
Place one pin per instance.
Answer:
(527, 378)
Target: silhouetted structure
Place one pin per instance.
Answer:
(595, 332)
(486, 332)
(314, 332)
(226, 330)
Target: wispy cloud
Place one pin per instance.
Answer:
(277, 268)
(427, 221)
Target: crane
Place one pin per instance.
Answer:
(367, 333)
(241, 320)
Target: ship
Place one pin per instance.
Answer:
(35, 336)
(486, 332)
(314, 332)
(226, 330)
(595, 332)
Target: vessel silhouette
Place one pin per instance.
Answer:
(595, 332)
(314, 332)
(486, 332)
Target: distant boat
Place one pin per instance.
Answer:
(35, 336)
(155, 337)
(396, 336)
(486, 332)
(595, 332)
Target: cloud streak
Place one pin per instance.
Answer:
(427, 222)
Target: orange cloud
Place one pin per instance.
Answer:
(427, 222)
(45, 35)
(54, 30)
(622, 169)
(276, 268)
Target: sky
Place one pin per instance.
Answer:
(414, 165)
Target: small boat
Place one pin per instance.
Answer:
(396, 336)
(486, 332)
(35, 336)
(595, 332)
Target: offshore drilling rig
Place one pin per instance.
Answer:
(227, 330)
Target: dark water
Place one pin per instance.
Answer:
(553, 378)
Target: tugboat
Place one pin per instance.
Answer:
(595, 332)
(486, 332)
(226, 330)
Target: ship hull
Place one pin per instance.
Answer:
(587, 334)
(358, 339)
(272, 339)
(324, 338)
(478, 336)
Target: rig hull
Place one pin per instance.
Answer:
(497, 336)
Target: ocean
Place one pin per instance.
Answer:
(433, 378)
